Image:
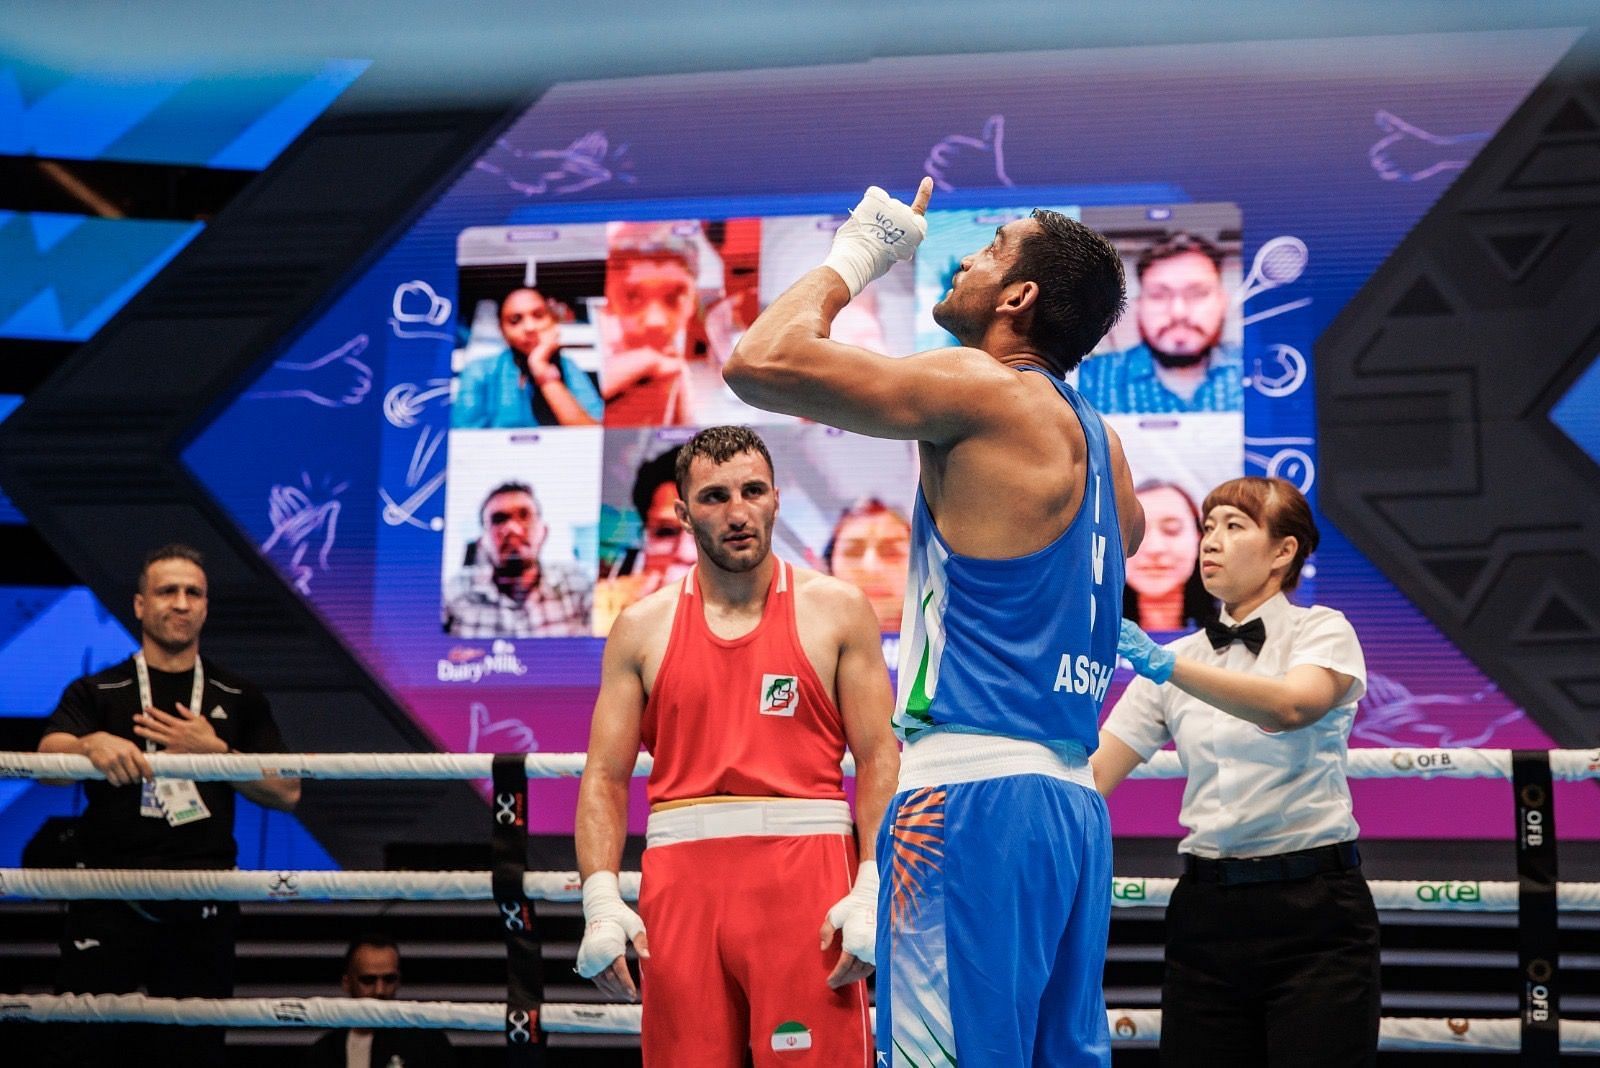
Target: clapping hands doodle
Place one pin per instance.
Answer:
(296, 521)
(972, 161)
(487, 735)
(337, 379)
(1391, 715)
(416, 308)
(1408, 153)
(585, 163)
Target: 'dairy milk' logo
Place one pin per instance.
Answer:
(466, 663)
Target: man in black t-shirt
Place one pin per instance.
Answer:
(165, 698)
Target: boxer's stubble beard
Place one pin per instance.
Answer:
(955, 323)
(737, 565)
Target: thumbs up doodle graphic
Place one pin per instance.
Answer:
(963, 160)
(1408, 153)
(336, 379)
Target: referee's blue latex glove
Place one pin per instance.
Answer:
(1147, 658)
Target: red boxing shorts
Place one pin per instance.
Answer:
(732, 897)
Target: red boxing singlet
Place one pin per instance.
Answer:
(745, 717)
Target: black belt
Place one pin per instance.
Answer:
(1280, 868)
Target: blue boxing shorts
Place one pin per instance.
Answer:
(993, 908)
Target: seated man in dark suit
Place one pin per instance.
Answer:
(372, 970)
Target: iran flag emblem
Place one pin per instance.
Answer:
(791, 1037)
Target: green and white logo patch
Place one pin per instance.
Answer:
(791, 1037)
(779, 695)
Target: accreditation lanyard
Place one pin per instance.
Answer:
(175, 800)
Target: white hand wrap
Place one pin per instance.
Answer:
(856, 914)
(609, 924)
(879, 233)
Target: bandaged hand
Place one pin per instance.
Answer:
(609, 925)
(880, 232)
(1147, 658)
(855, 918)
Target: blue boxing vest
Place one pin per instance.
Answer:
(1023, 647)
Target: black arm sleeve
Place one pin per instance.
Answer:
(76, 713)
(261, 730)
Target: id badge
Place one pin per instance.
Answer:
(180, 801)
(149, 801)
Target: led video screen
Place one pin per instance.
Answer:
(482, 417)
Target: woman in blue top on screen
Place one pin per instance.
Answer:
(1272, 939)
(529, 382)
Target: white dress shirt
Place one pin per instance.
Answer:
(1253, 792)
(358, 1050)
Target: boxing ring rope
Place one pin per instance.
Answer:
(1126, 1025)
(115, 884)
(1566, 765)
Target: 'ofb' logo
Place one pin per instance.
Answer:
(779, 694)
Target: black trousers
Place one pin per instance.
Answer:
(171, 949)
(1272, 974)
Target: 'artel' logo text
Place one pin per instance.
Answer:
(1128, 890)
(1454, 893)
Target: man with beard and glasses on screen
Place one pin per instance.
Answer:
(1181, 363)
(506, 591)
(997, 849)
(745, 680)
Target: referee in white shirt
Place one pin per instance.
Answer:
(1272, 938)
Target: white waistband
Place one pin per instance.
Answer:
(787, 816)
(943, 758)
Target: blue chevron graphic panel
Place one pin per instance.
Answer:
(8, 511)
(65, 275)
(183, 116)
(1577, 413)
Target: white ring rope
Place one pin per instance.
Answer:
(1565, 765)
(246, 767)
(116, 884)
(1399, 1032)
(252, 1012)
(1127, 1025)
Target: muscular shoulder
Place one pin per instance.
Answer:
(828, 596)
(970, 374)
(648, 618)
(984, 376)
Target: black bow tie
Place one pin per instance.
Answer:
(1253, 634)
